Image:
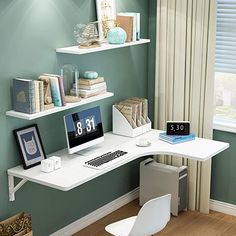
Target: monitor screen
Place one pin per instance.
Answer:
(83, 129)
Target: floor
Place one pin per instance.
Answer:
(186, 224)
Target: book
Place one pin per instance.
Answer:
(136, 23)
(139, 111)
(61, 86)
(88, 93)
(134, 109)
(93, 86)
(37, 97)
(23, 95)
(126, 23)
(138, 34)
(93, 93)
(55, 91)
(174, 139)
(144, 106)
(128, 111)
(41, 95)
(62, 91)
(82, 81)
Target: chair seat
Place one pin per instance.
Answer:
(122, 227)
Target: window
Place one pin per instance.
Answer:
(225, 63)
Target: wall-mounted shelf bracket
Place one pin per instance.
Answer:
(13, 188)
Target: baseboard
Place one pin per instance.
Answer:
(223, 207)
(97, 214)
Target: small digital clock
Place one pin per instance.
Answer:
(177, 127)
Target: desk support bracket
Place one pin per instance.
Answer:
(13, 188)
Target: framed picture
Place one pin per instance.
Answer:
(30, 145)
(106, 15)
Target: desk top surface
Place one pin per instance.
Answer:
(73, 173)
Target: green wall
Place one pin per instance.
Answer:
(223, 177)
(30, 31)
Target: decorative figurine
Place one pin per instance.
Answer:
(87, 35)
(47, 90)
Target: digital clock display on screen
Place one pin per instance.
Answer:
(177, 127)
(83, 126)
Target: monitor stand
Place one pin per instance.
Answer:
(90, 151)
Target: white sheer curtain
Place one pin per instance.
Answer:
(184, 86)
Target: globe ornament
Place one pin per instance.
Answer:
(116, 36)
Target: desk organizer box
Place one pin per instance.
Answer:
(122, 127)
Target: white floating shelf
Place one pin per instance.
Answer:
(58, 109)
(103, 47)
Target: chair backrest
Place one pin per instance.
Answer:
(152, 217)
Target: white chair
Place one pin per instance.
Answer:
(152, 218)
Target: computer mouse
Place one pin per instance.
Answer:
(143, 142)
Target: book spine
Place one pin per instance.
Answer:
(88, 93)
(41, 95)
(37, 97)
(93, 94)
(91, 87)
(55, 91)
(90, 81)
(138, 26)
(32, 102)
(134, 37)
(62, 92)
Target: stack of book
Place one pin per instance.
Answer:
(173, 139)
(90, 87)
(28, 95)
(32, 96)
(130, 22)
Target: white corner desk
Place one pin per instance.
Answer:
(73, 173)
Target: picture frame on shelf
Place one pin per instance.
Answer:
(30, 145)
(106, 15)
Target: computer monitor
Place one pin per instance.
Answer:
(83, 129)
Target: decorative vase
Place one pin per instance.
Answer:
(116, 36)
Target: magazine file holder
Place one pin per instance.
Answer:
(122, 127)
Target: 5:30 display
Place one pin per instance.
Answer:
(176, 127)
